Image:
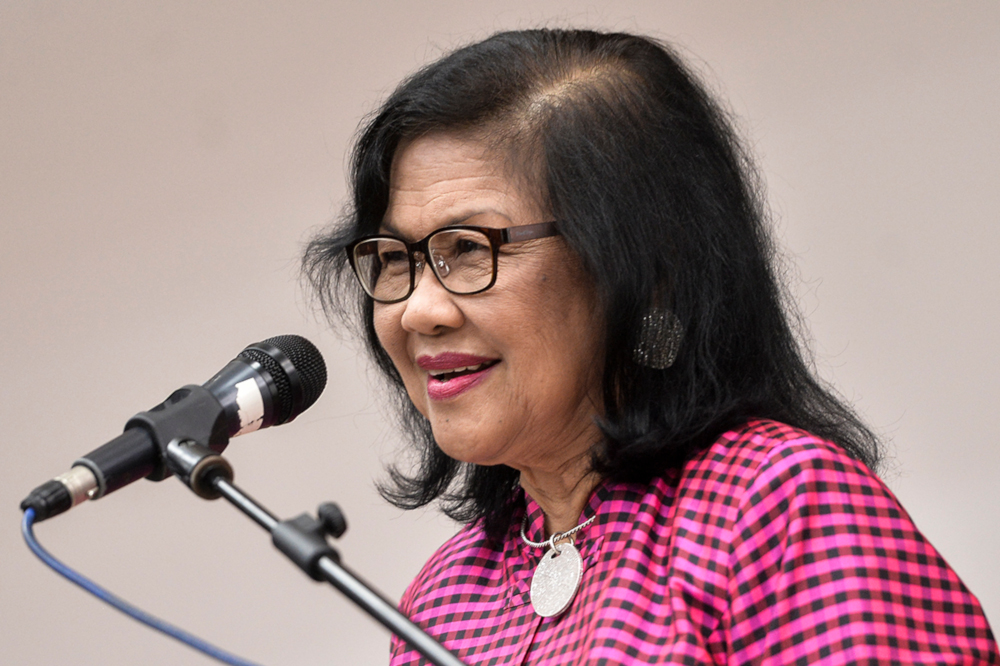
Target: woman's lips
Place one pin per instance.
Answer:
(450, 361)
(446, 385)
(442, 390)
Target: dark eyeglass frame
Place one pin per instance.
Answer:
(496, 237)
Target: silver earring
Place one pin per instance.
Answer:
(659, 339)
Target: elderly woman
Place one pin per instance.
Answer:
(557, 252)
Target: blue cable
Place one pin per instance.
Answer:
(121, 604)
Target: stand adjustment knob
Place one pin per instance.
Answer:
(332, 519)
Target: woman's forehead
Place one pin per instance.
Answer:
(442, 179)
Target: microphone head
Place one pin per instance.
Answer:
(298, 371)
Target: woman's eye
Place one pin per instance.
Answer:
(389, 258)
(467, 245)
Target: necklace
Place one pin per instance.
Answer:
(557, 576)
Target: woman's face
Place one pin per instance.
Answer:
(522, 360)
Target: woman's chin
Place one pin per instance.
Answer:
(457, 447)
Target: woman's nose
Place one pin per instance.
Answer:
(431, 308)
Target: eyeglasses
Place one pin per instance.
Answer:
(463, 258)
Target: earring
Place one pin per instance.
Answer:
(659, 339)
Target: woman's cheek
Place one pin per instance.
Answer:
(392, 337)
(388, 330)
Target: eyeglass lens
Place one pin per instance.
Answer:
(461, 258)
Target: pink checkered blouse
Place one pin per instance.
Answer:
(770, 547)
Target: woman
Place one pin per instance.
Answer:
(563, 270)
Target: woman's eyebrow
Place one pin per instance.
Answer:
(387, 226)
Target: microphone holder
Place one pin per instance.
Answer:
(303, 540)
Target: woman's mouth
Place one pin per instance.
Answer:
(449, 375)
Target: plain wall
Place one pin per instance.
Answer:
(162, 164)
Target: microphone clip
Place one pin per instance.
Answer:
(190, 414)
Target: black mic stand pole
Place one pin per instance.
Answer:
(303, 540)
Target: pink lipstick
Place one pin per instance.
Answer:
(450, 374)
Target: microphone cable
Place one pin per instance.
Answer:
(134, 612)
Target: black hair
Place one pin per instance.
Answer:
(655, 193)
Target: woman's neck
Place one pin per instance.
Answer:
(562, 495)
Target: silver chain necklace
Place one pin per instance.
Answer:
(557, 576)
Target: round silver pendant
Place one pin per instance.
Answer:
(556, 580)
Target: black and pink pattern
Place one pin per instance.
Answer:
(770, 547)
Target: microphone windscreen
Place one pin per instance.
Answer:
(298, 371)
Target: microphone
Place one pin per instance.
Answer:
(268, 383)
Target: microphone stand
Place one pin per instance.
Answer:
(303, 540)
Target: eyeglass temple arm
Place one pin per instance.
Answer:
(529, 232)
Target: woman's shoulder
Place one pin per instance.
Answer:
(767, 477)
(762, 450)
(805, 532)
(760, 441)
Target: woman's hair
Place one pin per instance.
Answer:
(652, 189)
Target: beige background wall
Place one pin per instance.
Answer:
(162, 163)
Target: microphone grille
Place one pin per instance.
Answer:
(307, 364)
(308, 361)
